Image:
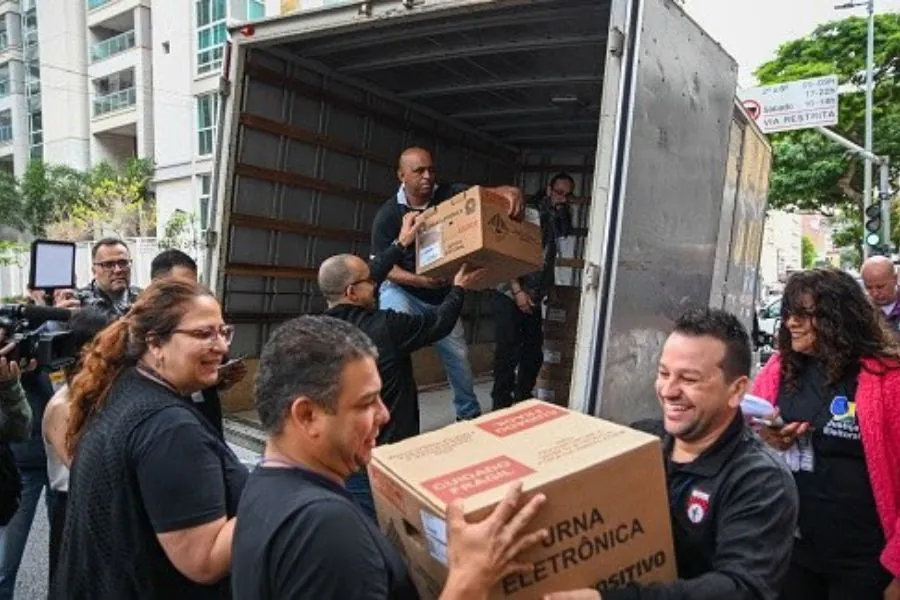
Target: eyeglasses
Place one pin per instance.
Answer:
(110, 265)
(366, 280)
(210, 334)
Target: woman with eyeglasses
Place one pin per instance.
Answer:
(153, 489)
(835, 381)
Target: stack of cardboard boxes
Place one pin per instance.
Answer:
(560, 329)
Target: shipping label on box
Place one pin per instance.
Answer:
(606, 510)
(474, 227)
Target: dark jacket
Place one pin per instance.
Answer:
(734, 514)
(15, 412)
(92, 295)
(397, 335)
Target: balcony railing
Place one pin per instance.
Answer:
(5, 133)
(115, 101)
(112, 46)
(4, 87)
(92, 4)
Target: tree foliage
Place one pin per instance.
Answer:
(808, 254)
(59, 201)
(181, 232)
(811, 172)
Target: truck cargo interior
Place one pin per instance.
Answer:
(318, 105)
(508, 95)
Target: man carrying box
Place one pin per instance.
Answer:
(517, 305)
(733, 501)
(298, 532)
(404, 291)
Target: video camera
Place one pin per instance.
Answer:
(52, 268)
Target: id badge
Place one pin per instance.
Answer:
(806, 453)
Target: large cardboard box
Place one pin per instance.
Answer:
(474, 227)
(606, 509)
(561, 316)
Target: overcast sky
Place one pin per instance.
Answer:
(752, 30)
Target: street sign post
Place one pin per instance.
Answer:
(801, 104)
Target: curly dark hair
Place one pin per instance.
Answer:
(848, 327)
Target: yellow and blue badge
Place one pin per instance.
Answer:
(842, 409)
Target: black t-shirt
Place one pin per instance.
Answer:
(148, 463)
(188, 476)
(838, 520)
(300, 536)
(386, 228)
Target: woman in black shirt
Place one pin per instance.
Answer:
(153, 489)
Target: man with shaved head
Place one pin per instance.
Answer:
(349, 287)
(880, 279)
(406, 292)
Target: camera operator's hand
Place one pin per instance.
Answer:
(66, 299)
(37, 296)
(10, 370)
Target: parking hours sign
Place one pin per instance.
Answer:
(793, 105)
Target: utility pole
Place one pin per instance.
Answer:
(870, 88)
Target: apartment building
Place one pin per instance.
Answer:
(83, 81)
(781, 249)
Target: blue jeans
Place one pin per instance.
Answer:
(452, 350)
(359, 487)
(14, 537)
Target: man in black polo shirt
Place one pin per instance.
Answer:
(298, 532)
(349, 286)
(733, 501)
(404, 291)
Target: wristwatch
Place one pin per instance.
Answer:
(399, 244)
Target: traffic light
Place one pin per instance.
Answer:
(873, 225)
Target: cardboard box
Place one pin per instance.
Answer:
(561, 316)
(555, 390)
(607, 509)
(558, 352)
(474, 227)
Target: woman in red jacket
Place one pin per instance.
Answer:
(835, 381)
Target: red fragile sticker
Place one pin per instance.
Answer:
(476, 478)
(522, 420)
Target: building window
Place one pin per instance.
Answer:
(36, 129)
(204, 183)
(211, 34)
(6, 130)
(207, 116)
(256, 9)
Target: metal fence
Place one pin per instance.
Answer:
(14, 277)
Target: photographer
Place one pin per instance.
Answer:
(15, 426)
(15, 414)
(31, 462)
